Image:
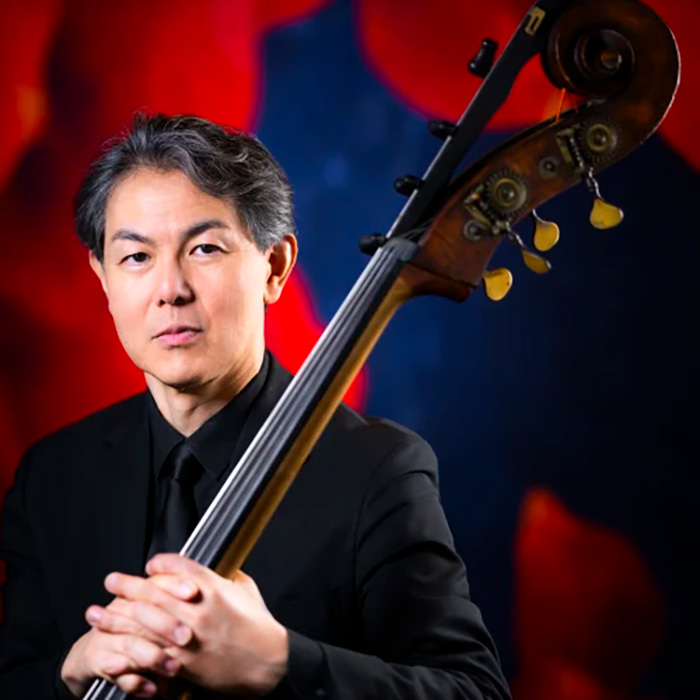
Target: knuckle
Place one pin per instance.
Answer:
(102, 661)
(114, 665)
(152, 655)
(139, 610)
(198, 618)
(150, 616)
(130, 683)
(128, 644)
(146, 654)
(150, 593)
(116, 668)
(160, 597)
(106, 622)
(119, 606)
(156, 658)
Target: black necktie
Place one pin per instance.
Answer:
(178, 515)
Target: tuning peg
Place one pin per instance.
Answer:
(481, 64)
(407, 184)
(497, 283)
(603, 215)
(441, 128)
(546, 233)
(534, 262)
(371, 243)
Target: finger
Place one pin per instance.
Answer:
(108, 621)
(127, 622)
(179, 587)
(145, 656)
(162, 623)
(136, 588)
(144, 619)
(131, 683)
(138, 686)
(111, 665)
(118, 669)
(178, 565)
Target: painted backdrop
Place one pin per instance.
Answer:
(564, 417)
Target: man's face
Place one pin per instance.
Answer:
(186, 284)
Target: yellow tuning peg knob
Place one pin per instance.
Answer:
(605, 215)
(546, 233)
(497, 283)
(536, 263)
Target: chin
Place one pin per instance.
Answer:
(179, 378)
(185, 382)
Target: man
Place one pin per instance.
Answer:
(353, 591)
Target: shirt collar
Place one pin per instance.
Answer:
(214, 442)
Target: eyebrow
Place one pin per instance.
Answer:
(124, 234)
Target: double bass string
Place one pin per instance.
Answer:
(214, 529)
(242, 483)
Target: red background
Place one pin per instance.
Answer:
(587, 614)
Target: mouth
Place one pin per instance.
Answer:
(177, 335)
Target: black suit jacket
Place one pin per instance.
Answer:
(358, 562)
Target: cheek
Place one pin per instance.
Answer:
(236, 308)
(128, 312)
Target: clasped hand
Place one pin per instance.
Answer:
(182, 620)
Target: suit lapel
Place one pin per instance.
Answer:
(127, 475)
(111, 482)
(276, 382)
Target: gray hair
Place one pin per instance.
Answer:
(222, 162)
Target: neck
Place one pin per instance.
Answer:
(188, 409)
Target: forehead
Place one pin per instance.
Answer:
(162, 200)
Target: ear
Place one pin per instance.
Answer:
(280, 261)
(99, 270)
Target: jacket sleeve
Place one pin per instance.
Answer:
(31, 649)
(423, 638)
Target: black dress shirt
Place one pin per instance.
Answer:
(215, 444)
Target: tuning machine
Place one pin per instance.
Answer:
(497, 283)
(407, 184)
(481, 64)
(545, 234)
(371, 243)
(534, 262)
(603, 214)
(442, 129)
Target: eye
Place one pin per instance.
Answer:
(137, 258)
(207, 248)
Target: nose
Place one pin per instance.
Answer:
(173, 286)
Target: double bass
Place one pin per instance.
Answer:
(622, 61)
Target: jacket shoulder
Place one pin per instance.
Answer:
(94, 426)
(382, 430)
(377, 447)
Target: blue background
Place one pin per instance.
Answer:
(583, 381)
